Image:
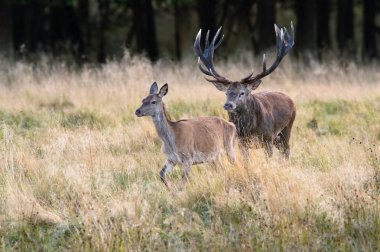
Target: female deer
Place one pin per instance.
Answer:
(190, 141)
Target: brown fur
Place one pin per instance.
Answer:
(190, 141)
(265, 119)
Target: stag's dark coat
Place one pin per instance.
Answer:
(265, 118)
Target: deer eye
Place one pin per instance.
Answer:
(153, 102)
(241, 94)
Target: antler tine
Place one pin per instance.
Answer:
(290, 38)
(215, 37)
(284, 42)
(201, 67)
(197, 45)
(205, 57)
(207, 42)
(264, 63)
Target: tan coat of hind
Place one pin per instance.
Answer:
(202, 139)
(190, 141)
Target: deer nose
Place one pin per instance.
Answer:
(228, 106)
(138, 112)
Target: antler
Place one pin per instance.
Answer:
(285, 42)
(205, 58)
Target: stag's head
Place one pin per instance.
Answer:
(238, 91)
(152, 104)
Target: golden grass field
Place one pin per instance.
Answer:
(80, 172)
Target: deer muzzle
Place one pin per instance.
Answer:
(229, 106)
(139, 113)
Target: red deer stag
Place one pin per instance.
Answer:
(190, 141)
(265, 118)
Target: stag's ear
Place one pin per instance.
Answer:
(220, 86)
(164, 90)
(153, 89)
(254, 85)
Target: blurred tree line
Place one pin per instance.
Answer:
(95, 30)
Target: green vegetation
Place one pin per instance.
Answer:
(80, 172)
(83, 118)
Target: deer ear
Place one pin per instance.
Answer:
(153, 88)
(254, 85)
(220, 86)
(164, 90)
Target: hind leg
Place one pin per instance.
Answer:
(281, 144)
(229, 143)
(278, 142)
(230, 151)
(285, 137)
(186, 167)
(216, 164)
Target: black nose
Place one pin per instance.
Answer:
(138, 112)
(227, 106)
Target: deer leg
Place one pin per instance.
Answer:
(269, 148)
(185, 173)
(229, 145)
(279, 142)
(244, 150)
(168, 166)
(285, 142)
(230, 150)
(285, 137)
(216, 164)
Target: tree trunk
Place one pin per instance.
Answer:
(265, 21)
(85, 31)
(345, 26)
(369, 29)
(207, 16)
(18, 22)
(306, 36)
(323, 27)
(5, 29)
(145, 28)
(65, 35)
(177, 31)
(104, 7)
(242, 16)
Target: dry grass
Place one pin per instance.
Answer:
(80, 172)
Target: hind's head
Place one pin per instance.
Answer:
(152, 104)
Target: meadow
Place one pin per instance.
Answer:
(79, 171)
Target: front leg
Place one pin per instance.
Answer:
(168, 166)
(269, 149)
(244, 150)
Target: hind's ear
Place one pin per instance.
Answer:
(153, 88)
(164, 90)
(254, 85)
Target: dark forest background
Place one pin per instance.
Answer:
(97, 30)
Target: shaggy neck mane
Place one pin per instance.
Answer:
(247, 117)
(164, 128)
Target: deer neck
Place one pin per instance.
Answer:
(247, 117)
(164, 129)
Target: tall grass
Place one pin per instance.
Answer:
(80, 172)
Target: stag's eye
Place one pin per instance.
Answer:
(153, 102)
(241, 94)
